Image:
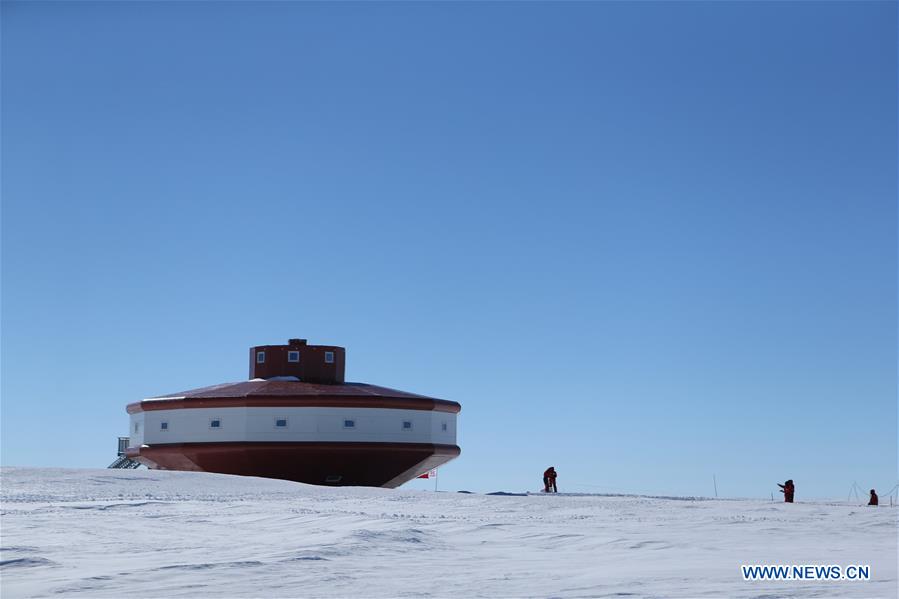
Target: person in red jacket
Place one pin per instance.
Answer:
(549, 480)
(787, 489)
(873, 500)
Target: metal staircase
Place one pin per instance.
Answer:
(123, 461)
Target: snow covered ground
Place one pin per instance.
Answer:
(139, 533)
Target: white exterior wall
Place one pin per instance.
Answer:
(136, 430)
(381, 425)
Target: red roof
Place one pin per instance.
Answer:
(265, 392)
(281, 388)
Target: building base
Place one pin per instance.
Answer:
(337, 464)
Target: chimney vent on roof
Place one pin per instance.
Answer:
(296, 342)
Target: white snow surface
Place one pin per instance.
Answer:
(140, 533)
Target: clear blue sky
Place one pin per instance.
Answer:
(645, 243)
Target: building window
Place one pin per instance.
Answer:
(293, 356)
(349, 424)
(136, 426)
(280, 422)
(443, 426)
(260, 357)
(163, 426)
(215, 423)
(329, 357)
(407, 425)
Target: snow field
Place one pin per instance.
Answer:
(139, 533)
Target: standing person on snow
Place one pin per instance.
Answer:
(787, 489)
(874, 500)
(549, 480)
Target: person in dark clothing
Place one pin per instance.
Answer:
(873, 500)
(788, 489)
(549, 480)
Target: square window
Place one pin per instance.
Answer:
(163, 426)
(443, 426)
(407, 425)
(215, 423)
(260, 357)
(329, 357)
(281, 422)
(293, 356)
(349, 424)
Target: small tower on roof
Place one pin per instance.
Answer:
(323, 364)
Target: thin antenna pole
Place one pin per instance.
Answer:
(854, 490)
(715, 482)
(890, 493)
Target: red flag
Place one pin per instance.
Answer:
(429, 474)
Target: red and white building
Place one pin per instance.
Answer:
(296, 419)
